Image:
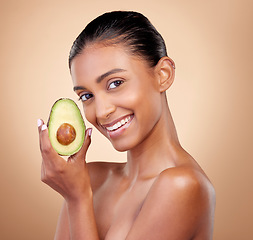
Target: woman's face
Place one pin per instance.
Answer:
(119, 92)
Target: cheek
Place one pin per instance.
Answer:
(151, 110)
(145, 100)
(146, 105)
(89, 115)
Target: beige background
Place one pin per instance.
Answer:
(211, 100)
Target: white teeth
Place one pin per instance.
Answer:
(119, 124)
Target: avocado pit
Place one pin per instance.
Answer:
(66, 134)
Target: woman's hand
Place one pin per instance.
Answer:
(69, 178)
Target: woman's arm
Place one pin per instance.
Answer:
(81, 220)
(70, 179)
(62, 229)
(72, 223)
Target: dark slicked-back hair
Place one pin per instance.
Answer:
(130, 29)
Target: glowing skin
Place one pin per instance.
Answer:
(147, 197)
(119, 93)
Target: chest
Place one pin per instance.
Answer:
(116, 207)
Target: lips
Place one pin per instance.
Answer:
(118, 124)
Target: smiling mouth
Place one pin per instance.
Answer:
(119, 124)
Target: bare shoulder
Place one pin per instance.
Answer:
(186, 179)
(182, 201)
(187, 194)
(99, 172)
(189, 184)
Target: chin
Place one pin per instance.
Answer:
(123, 145)
(120, 148)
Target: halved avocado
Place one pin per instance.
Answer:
(66, 127)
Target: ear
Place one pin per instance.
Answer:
(165, 69)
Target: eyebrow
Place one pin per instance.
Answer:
(100, 78)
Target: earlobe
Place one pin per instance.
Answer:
(166, 73)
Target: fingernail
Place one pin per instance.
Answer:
(39, 122)
(89, 131)
(44, 127)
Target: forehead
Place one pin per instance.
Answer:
(99, 56)
(97, 59)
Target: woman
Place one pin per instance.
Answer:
(120, 71)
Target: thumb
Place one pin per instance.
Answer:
(81, 154)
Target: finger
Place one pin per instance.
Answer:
(40, 122)
(47, 151)
(81, 154)
(43, 172)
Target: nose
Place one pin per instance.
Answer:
(104, 107)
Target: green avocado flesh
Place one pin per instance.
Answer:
(66, 127)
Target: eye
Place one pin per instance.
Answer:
(85, 97)
(115, 84)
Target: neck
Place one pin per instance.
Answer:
(157, 152)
